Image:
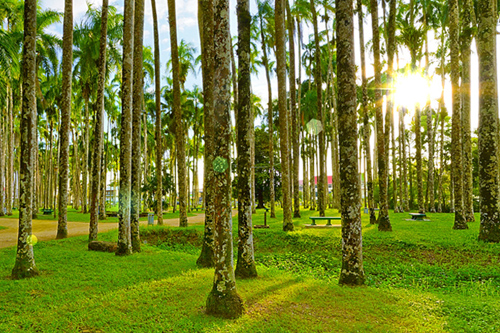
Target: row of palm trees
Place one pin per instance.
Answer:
(308, 114)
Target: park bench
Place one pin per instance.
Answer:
(324, 218)
(418, 216)
(47, 211)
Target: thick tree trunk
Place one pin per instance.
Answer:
(383, 218)
(223, 300)
(99, 126)
(352, 272)
(364, 105)
(283, 113)
(25, 260)
(158, 125)
(488, 123)
(10, 154)
(2, 164)
(180, 137)
(206, 27)
(138, 91)
(124, 236)
(85, 171)
(67, 59)
(465, 43)
(456, 130)
(418, 158)
(245, 267)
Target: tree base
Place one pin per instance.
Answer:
(384, 223)
(352, 279)
(22, 272)
(225, 305)
(245, 271)
(61, 234)
(206, 259)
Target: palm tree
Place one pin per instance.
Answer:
(62, 229)
(223, 299)
(158, 126)
(383, 217)
(488, 122)
(364, 105)
(179, 127)
(124, 237)
(456, 150)
(99, 125)
(352, 272)
(468, 27)
(25, 260)
(206, 25)
(245, 266)
(137, 105)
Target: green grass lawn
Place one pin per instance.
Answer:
(77, 216)
(422, 277)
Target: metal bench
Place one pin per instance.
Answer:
(324, 218)
(418, 216)
(47, 211)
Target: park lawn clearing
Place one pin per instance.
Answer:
(420, 278)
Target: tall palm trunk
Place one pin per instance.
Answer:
(321, 136)
(223, 300)
(124, 236)
(488, 123)
(265, 61)
(283, 113)
(383, 218)
(99, 126)
(10, 154)
(85, 171)
(352, 272)
(62, 229)
(25, 260)
(158, 126)
(138, 91)
(3, 134)
(206, 28)
(364, 105)
(180, 140)
(305, 186)
(245, 266)
(456, 130)
(468, 25)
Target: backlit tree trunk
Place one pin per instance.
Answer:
(465, 44)
(206, 22)
(223, 300)
(25, 260)
(383, 218)
(180, 140)
(488, 122)
(352, 272)
(124, 237)
(138, 88)
(456, 130)
(99, 126)
(245, 266)
(158, 126)
(366, 125)
(283, 113)
(10, 154)
(67, 59)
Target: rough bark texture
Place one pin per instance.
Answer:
(366, 125)
(283, 113)
(245, 266)
(295, 116)
(319, 105)
(2, 163)
(418, 158)
(383, 217)
(85, 171)
(456, 130)
(223, 300)
(391, 50)
(488, 123)
(465, 44)
(10, 155)
(206, 22)
(158, 126)
(124, 238)
(99, 126)
(25, 260)
(138, 91)
(352, 272)
(180, 140)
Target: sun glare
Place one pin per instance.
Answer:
(412, 90)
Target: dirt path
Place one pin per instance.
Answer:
(47, 230)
